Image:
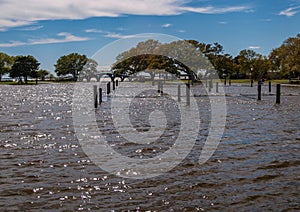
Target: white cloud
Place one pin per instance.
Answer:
(166, 25)
(94, 31)
(66, 37)
(254, 47)
(118, 36)
(16, 13)
(223, 22)
(289, 12)
(32, 28)
(215, 10)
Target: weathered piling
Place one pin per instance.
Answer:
(158, 87)
(179, 93)
(100, 96)
(114, 85)
(278, 92)
(217, 87)
(259, 92)
(95, 97)
(188, 94)
(108, 88)
(270, 87)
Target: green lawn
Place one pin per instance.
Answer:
(29, 82)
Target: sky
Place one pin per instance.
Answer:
(49, 29)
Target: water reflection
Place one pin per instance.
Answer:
(43, 167)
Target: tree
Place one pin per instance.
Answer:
(286, 58)
(151, 56)
(23, 67)
(5, 64)
(245, 62)
(70, 64)
(42, 74)
(89, 70)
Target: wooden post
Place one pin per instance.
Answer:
(158, 87)
(108, 88)
(259, 92)
(270, 87)
(217, 87)
(225, 81)
(205, 83)
(251, 82)
(95, 97)
(100, 96)
(179, 93)
(117, 83)
(278, 94)
(161, 87)
(114, 85)
(211, 83)
(229, 81)
(188, 94)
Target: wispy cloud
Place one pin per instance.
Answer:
(215, 10)
(65, 38)
(16, 13)
(223, 22)
(94, 31)
(289, 12)
(254, 47)
(166, 25)
(32, 28)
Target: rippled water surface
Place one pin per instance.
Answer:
(43, 167)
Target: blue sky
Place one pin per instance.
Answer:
(48, 29)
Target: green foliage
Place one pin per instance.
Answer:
(5, 64)
(42, 74)
(178, 57)
(24, 66)
(89, 69)
(286, 58)
(70, 64)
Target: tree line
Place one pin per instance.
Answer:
(282, 62)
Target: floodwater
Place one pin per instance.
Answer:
(256, 166)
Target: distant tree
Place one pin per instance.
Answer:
(245, 62)
(24, 67)
(5, 64)
(51, 77)
(89, 69)
(42, 74)
(70, 64)
(286, 58)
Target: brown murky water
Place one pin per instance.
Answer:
(43, 168)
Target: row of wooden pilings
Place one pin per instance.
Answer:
(278, 92)
(209, 84)
(98, 93)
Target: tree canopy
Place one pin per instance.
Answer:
(286, 58)
(23, 67)
(6, 62)
(70, 64)
(178, 57)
